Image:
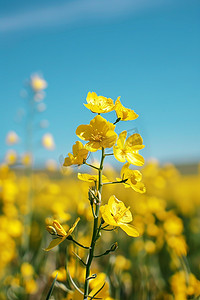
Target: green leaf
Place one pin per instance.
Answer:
(51, 288)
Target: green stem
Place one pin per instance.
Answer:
(95, 230)
(89, 165)
(108, 154)
(113, 182)
(29, 173)
(77, 243)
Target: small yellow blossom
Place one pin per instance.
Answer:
(133, 177)
(99, 133)
(121, 264)
(99, 104)
(12, 138)
(128, 149)
(61, 274)
(11, 157)
(27, 270)
(173, 225)
(123, 113)
(150, 246)
(78, 157)
(31, 286)
(59, 233)
(178, 244)
(27, 159)
(37, 83)
(115, 213)
(48, 141)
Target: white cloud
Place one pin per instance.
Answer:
(73, 12)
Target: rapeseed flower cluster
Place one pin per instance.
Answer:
(100, 135)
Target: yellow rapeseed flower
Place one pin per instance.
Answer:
(12, 138)
(128, 149)
(37, 83)
(11, 157)
(123, 113)
(173, 225)
(59, 233)
(61, 274)
(48, 141)
(99, 104)
(178, 244)
(133, 177)
(27, 270)
(27, 159)
(78, 157)
(99, 133)
(115, 213)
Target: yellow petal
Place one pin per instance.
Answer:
(91, 178)
(124, 171)
(93, 146)
(119, 154)
(119, 211)
(59, 229)
(135, 159)
(84, 132)
(134, 140)
(107, 215)
(68, 162)
(138, 187)
(77, 147)
(87, 177)
(109, 140)
(121, 139)
(54, 243)
(130, 230)
(124, 113)
(73, 227)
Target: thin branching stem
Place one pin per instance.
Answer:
(113, 182)
(95, 228)
(79, 258)
(108, 154)
(77, 243)
(89, 165)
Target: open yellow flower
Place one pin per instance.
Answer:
(128, 149)
(99, 133)
(78, 157)
(59, 234)
(123, 113)
(133, 177)
(99, 104)
(115, 213)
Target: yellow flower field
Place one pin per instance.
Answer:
(162, 263)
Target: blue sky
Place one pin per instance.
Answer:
(147, 52)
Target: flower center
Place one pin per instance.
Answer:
(120, 214)
(97, 137)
